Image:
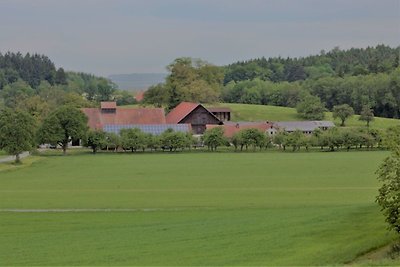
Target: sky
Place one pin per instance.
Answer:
(140, 36)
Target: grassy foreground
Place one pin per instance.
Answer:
(192, 209)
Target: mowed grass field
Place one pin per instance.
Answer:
(192, 209)
(247, 112)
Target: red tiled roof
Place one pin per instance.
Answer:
(232, 128)
(108, 105)
(180, 112)
(139, 96)
(97, 118)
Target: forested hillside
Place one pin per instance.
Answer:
(335, 63)
(32, 83)
(367, 77)
(363, 78)
(32, 69)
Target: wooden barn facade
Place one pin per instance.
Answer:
(194, 114)
(223, 114)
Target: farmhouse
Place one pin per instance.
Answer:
(307, 127)
(110, 114)
(194, 114)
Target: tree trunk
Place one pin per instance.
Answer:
(17, 159)
(64, 148)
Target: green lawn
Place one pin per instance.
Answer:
(192, 209)
(3, 154)
(246, 112)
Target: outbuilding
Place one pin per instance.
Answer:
(194, 114)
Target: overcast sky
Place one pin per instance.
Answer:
(113, 37)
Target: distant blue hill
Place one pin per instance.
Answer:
(137, 81)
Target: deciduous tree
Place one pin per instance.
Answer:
(133, 139)
(172, 140)
(311, 108)
(343, 112)
(214, 138)
(367, 115)
(62, 126)
(17, 132)
(95, 139)
(389, 193)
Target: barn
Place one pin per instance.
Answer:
(194, 114)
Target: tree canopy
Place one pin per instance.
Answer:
(17, 132)
(63, 125)
(188, 80)
(213, 138)
(343, 112)
(389, 174)
(311, 108)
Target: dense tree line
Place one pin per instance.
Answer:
(135, 140)
(35, 69)
(30, 68)
(335, 63)
(33, 84)
(356, 77)
(380, 92)
(332, 139)
(361, 78)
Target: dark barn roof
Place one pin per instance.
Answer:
(183, 110)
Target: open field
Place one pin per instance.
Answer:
(246, 112)
(250, 112)
(191, 209)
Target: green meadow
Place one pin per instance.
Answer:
(192, 209)
(247, 112)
